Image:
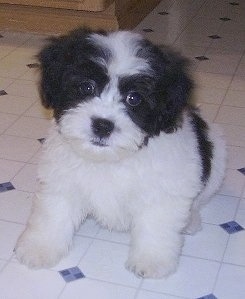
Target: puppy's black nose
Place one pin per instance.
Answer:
(102, 127)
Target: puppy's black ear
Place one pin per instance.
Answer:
(54, 59)
(175, 88)
(50, 59)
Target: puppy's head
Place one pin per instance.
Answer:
(111, 92)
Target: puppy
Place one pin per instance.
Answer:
(126, 147)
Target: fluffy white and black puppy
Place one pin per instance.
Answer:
(126, 148)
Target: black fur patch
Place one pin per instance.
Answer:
(68, 60)
(65, 62)
(205, 146)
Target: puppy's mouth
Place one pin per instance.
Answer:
(99, 142)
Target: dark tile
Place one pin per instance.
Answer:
(1, 36)
(231, 227)
(234, 3)
(210, 296)
(6, 187)
(148, 30)
(225, 19)
(242, 170)
(33, 65)
(72, 274)
(41, 140)
(214, 36)
(3, 92)
(163, 13)
(201, 58)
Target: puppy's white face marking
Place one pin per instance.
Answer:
(124, 47)
(77, 127)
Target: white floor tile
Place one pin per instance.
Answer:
(231, 115)
(241, 68)
(118, 237)
(212, 80)
(23, 88)
(236, 157)
(26, 179)
(230, 282)
(6, 120)
(5, 82)
(235, 98)
(89, 228)
(29, 284)
(233, 183)
(98, 264)
(15, 206)
(220, 62)
(234, 253)
(10, 69)
(8, 169)
(14, 104)
(96, 289)
(193, 278)
(151, 295)
(209, 95)
(238, 83)
(193, 39)
(79, 248)
(2, 265)
(231, 42)
(9, 233)
(234, 135)
(209, 111)
(17, 148)
(37, 110)
(220, 209)
(39, 127)
(240, 216)
(209, 243)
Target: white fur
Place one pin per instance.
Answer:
(123, 46)
(155, 192)
(150, 192)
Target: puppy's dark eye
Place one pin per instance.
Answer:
(87, 87)
(134, 98)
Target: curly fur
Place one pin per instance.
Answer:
(126, 147)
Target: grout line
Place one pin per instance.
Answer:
(228, 87)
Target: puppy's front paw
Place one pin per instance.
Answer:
(37, 252)
(149, 267)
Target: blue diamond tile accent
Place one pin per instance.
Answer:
(163, 13)
(148, 30)
(201, 58)
(242, 170)
(33, 65)
(71, 274)
(210, 296)
(231, 227)
(6, 187)
(3, 92)
(214, 36)
(41, 140)
(225, 19)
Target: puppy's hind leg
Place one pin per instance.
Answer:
(49, 232)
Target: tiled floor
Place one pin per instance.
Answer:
(213, 261)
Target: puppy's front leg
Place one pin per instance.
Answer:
(156, 242)
(49, 232)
